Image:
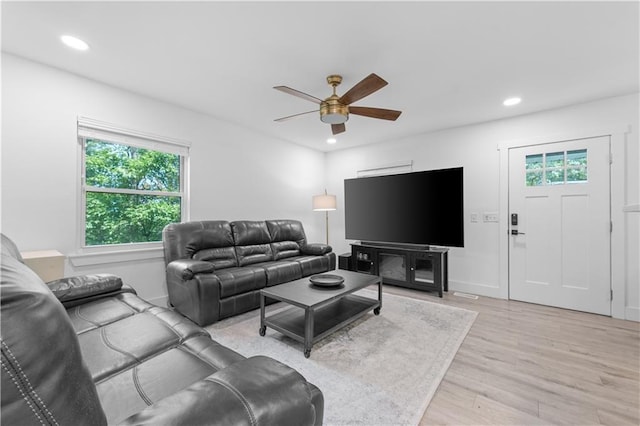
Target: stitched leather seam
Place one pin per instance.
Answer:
(22, 377)
(136, 382)
(139, 361)
(79, 315)
(20, 389)
(238, 395)
(169, 326)
(197, 355)
(113, 347)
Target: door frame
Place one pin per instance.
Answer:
(617, 135)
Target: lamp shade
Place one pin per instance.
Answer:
(324, 202)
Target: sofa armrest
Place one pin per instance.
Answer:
(84, 286)
(187, 268)
(317, 249)
(255, 391)
(197, 297)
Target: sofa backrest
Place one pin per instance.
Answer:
(228, 244)
(287, 236)
(253, 241)
(44, 378)
(210, 240)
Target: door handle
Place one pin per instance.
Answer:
(515, 232)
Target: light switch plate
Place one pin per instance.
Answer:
(490, 217)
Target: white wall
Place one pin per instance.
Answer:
(235, 173)
(476, 268)
(238, 174)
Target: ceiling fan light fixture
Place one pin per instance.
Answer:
(333, 112)
(333, 118)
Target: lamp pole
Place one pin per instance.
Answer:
(324, 202)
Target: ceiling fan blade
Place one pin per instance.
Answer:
(367, 86)
(298, 93)
(385, 114)
(338, 128)
(294, 115)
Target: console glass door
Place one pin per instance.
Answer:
(423, 270)
(392, 266)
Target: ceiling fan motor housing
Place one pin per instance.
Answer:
(332, 111)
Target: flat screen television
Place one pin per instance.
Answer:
(419, 208)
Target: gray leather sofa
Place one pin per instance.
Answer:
(88, 351)
(215, 269)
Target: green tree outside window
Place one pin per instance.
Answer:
(131, 193)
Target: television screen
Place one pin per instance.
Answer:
(411, 208)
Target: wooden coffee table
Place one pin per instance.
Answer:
(318, 311)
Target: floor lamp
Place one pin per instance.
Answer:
(324, 203)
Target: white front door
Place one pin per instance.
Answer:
(560, 226)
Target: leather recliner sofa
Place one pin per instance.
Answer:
(88, 351)
(215, 269)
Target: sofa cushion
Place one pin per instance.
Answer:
(132, 390)
(249, 233)
(186, 241)
(285, 249)
(253, 242)
(123, 343)
(281, 271)
(312, 264)
(89, 316)
(240, 280)
(286, 238)
(218, 257)
(286, 230)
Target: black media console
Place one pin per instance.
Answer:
(418, 267)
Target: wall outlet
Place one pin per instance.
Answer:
(475, 217)
(490, 217)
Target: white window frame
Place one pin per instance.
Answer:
(94, 129)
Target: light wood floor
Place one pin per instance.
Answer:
(526, 364)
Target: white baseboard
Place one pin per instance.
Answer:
(474, 288)
(632, 314)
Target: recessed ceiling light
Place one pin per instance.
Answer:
(331, 141)
(74, 42)
(511, 101)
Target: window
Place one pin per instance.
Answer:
(132, 186)
(556, 168)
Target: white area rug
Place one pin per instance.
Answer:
(379, 370)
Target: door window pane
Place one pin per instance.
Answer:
(577, 158)
(556, 168)
(534, 178)
(555, 159)
(555, 176)
(534, 162)
(577, 175)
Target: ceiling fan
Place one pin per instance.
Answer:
(335, 109)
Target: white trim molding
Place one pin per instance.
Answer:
(387, 169)
(83, 259)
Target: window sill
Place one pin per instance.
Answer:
(115, 256)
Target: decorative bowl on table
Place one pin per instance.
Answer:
(326, 280)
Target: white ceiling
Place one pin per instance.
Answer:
(448, 64)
